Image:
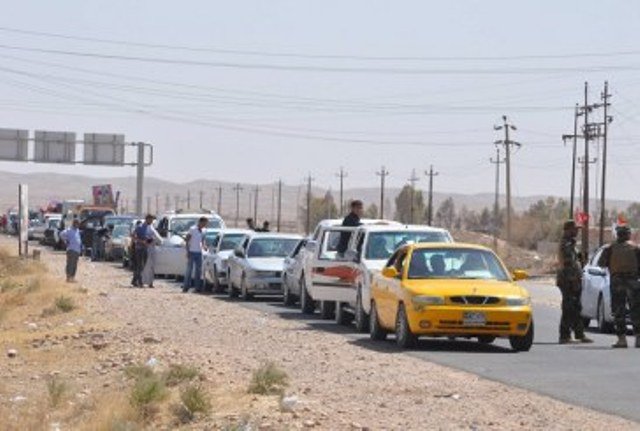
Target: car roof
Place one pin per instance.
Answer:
(448, 245)
(276, 235)
(401, 227)
(237, 231)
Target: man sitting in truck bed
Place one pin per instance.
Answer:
(351, 220)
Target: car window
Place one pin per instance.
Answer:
(329, 245)
(299, 247)
(596, 257)
(380, 245)
(271, 247)
(231, 241)
(456, 264)
(211, 239)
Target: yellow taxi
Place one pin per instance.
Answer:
(450, 290)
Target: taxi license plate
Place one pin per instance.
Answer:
(472, 318)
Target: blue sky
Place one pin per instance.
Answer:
(426, 82)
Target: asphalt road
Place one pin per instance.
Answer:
(592, 375)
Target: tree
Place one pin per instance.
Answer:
(446, 214)
(321, 208)
(371, 211)
(403, 205)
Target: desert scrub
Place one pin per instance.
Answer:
(138, 372)
(194, 400)
(147, 392)
(178, 373)
(57, 389)
(268, 379)
(62, 304)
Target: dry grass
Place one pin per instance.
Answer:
(177, 374)
(269, 379)
(193, 401)
(57, 390)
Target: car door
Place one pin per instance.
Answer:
(595, 282)
(332, 276)
(292, 265)
(389, 289)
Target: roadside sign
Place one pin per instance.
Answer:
(14, 145)
(103, 149)
(54, 147)
(103, 195)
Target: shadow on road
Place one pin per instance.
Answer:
(432, 345)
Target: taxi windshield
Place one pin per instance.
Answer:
(470, 264)
(381, 245)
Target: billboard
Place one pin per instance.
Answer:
(103, 149)
(103, 195)
(14, 145)
(54, 147)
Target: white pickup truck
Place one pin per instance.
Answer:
(340, 283)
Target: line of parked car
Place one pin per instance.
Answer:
(410, 280)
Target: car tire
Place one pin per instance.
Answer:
(604, 327)
(404, 337)
(376, 332)
(307, 305)
(586, 321)
(288, 298)
(343, 317)
(361, 319)
(327, 310)
(217, 287)
(523, 343)
(486, 339)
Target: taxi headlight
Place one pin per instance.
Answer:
(518, 301)
(427, 300)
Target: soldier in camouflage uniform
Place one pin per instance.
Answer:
(622, 258)
(569, 281)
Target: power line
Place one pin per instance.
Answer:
(382, 173)
(507, 144)
(342, 175)
(315, 56)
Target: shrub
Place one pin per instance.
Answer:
(193, 401)
(177, 374)
(65, 304)
(269, 379)
(138, 372)
(146, 392)
(57, 389)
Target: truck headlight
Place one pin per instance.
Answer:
(518, 301)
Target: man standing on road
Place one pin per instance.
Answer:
(142, 239)
(569, 281)
(73, 243)
(622, 258)
(195, 245)
(351, 220)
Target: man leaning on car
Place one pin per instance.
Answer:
(569, 281)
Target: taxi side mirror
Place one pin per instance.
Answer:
(390, 272)
(520, 274)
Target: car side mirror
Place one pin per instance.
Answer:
(390, 272)
(238, 252)
(598, 272)
(520, 274)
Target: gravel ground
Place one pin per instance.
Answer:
(338, 384)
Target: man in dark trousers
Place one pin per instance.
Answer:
(622, 258)
(142, 239)
(351, 220)
(569, 281)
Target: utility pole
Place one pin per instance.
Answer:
(255, 204)
(607, 119)
(309, 180)
(413, 179)
(382, 173)
(430, 174)
(201, 199)
(220, 200)
(148, 204)
(496, 204)
(342, 175)
(279, 212)
(237, 188)
(507, 143)
(574, 156)
(176, 202)
(167, 202)
(188, 199)
(585, 187)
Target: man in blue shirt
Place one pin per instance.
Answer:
(73, 242)
(142, 239)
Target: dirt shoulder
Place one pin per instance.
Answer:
(334, 383)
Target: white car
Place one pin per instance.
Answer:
(596, 295)
(292, 272)
(171, 256)
(215, 264)
(38, 229)
(342, 284)
(256, 266)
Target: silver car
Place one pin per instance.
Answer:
(256, 266)
(596, 295)
(215, 263)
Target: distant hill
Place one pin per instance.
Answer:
(46, 187)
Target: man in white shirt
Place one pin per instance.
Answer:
(195, 245)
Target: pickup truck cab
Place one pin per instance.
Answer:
(341, 283)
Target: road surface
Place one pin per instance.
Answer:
(592, 375)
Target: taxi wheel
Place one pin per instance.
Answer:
(306, 302)
(287, 297)
(327, 309)
(486, 339)
(376, 332)
(524, 342)
(361, 318)
(404, 337)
